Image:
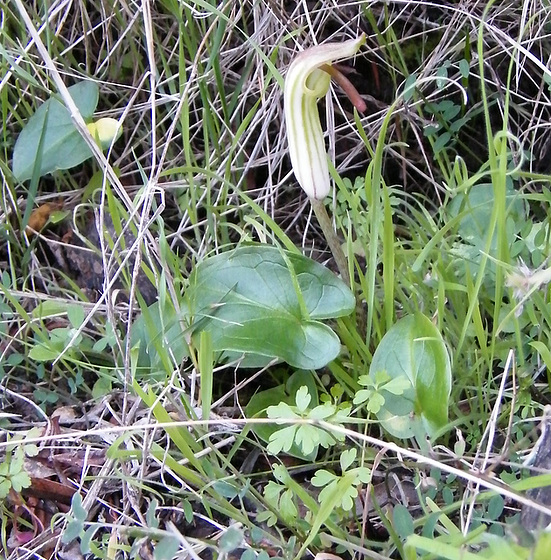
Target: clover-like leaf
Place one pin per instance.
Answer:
(398, 385)
(20, 480)
(303, 399)
(375, 402)
(281, 410)
(306, 437)
(348, 456)
(287, 506)
(282, 440)
(381, 377)
(264, 400)
(309, 438)
(362, 395)
(322, 478)
(5, 487)
(340, 490)
(323, 411)
(272, 492)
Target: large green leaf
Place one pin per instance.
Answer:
(263, 301)
(259, 304)
(414, 348)
(49, 140)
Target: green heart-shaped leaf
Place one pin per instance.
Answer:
(263, 301)
(413, 348)
(475, 208)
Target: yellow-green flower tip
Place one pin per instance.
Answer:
(105, 131)
(305, 84)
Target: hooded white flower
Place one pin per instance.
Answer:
(305, 84)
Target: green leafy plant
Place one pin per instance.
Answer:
(473, 210)
(306, 436)
(283, 393)
(451, 192)
(346, 484)
(13, 475)
(374, 394)
(448, 123)
(59, 335)
(281, 497)
(493, 547)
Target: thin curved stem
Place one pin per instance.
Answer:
(331, 237)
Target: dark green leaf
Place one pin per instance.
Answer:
(151, 514)
(302, 378)
(464, 68)
(441, 142)
(166, 548)
(430, 524)
(257, 534)
(75, 527)
(447, 495)
(225, 489)
(43, 353)
(256, 308)
(103, 386)
(495, 507)
(156, 330)
(248, 554)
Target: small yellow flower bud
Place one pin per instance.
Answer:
(105, 131)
